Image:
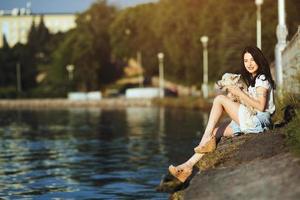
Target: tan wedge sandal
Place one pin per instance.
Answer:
(180, 174)
(210, 146)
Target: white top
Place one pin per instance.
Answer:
(262, 82)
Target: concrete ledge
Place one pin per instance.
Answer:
(65, 103)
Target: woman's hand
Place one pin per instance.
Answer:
(235, 90)
(258, 103)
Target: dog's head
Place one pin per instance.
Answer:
(228, 79)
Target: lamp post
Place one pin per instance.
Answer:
(258, 22)
(70, 69)
(19, 80)
(281, 33)
(160, 57)
(204, 40)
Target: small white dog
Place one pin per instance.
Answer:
(230, 79)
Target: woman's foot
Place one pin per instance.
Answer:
(181, 173)
(210, 146)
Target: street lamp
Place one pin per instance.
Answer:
(281, 33)
(70, 69)
(19, 77)
(160, 57)
(258, 22)
(204, 40)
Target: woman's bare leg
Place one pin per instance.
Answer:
(223, 130)
(220, 103)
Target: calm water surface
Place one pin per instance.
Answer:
(93, 153)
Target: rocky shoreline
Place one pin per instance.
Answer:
(252, 166)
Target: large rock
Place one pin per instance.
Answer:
(253, 166)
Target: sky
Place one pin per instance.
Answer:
(62, 6)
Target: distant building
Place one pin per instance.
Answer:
(291, 64)
(15, 25)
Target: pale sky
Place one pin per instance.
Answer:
(62, 6)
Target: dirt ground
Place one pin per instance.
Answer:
(253, 166)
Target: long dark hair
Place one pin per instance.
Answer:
(263, 67)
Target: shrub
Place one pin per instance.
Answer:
(9, 92)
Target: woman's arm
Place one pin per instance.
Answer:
(259, 103)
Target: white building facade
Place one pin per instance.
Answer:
(291, 64)
(16, 25)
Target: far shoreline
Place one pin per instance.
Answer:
(109, 103)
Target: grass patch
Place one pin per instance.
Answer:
(281, 101)
(293, 134)
(292, 129)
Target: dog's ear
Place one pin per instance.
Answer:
(219, 85)
(237, 77)
(223, 77)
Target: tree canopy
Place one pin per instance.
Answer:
(105, 38)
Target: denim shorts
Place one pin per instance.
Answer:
(251, 124)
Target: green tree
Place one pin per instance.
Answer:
(43, 34)
(105, 38)
(91, 49)
(132, 32)
(7, 65)
(56, 82)
(28, 71)
(88, 48)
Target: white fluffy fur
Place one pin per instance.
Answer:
(230, 79)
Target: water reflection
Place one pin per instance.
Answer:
(92, 153)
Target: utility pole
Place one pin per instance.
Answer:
(204, 40)
(258, 22)
(19, 83)
(161, 74)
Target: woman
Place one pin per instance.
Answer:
(256, 72)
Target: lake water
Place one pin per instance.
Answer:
(93, 153)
